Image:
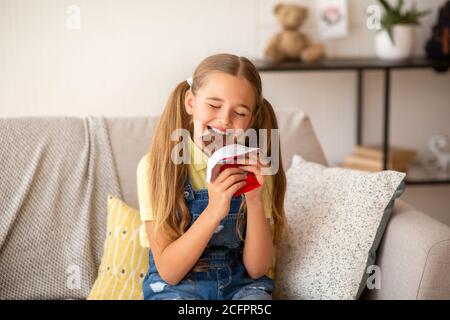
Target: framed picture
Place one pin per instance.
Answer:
(333, 18)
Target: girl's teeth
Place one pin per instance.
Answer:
(218, 131)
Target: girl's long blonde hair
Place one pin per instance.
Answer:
(166, 179)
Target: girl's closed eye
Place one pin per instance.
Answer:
(242, 112)
(237, 113)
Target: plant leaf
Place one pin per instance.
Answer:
(386, 5)
(391, 35)
(400, 4)
(393, 16)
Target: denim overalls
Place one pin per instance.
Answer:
(226, 277)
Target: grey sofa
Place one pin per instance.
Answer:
(414, 255)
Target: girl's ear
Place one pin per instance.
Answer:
(189, 102)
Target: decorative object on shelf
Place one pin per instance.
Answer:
(440, 147)
(333, 19)
(290, 43)
(336, 219)
(370, 158)
(396, 39)
(435, 164)
(438, 47)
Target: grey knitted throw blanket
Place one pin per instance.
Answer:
(55, 176)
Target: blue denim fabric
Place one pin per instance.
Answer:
(226, 277)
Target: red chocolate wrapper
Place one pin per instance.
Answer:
(252, 182)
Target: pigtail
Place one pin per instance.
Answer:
(265, 118)
(269, 121)
(166, 179)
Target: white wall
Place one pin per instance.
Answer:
(129, 55)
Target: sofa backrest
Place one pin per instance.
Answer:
(130, 141)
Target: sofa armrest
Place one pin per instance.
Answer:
(414, 257)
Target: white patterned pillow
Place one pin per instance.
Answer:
(336, 218)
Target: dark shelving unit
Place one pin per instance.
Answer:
(359, 66)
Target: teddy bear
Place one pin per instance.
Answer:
(291, 44)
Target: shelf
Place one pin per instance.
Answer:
(419, 175)
(352, 64)
(416, 175)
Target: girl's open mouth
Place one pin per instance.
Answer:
(222, 132)
(216, 138)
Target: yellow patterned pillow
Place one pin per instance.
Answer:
(124, 263)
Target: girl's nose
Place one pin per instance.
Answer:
(225, 118)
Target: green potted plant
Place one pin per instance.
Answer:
(396, 39)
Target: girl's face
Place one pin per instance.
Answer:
(223, 104)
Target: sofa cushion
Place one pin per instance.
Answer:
(130, 140)
(124, 263)
(336, 218)
(414, 256)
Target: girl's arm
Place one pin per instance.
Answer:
(258, 245)
(173, 260)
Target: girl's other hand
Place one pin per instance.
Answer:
(254, 165)
(222, 188)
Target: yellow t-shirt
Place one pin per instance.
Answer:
(197, 175)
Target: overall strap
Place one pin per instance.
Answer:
(188, 191)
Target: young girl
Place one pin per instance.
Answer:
(205, 242)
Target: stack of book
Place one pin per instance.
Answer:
(370, 158)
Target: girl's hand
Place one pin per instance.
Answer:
(254, 165)
(221, 190)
